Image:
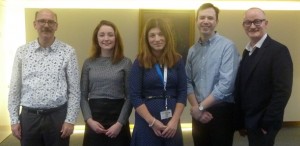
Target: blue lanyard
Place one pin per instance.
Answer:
(164, 80)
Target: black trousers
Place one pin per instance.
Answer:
(43, 129)
(257, 138)
(219, 131)
(106, 112)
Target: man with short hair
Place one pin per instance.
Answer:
(45, 82)
(264, 82)
(211, 68)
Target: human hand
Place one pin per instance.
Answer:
(158, 127)
(195, 112)
(264, 131)
(205, 117)
(114, 130)
(171, 129)
(66, 130)
(16, 130)
(96, 126)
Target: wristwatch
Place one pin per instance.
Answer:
(201, 107)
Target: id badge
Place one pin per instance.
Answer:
(165, 114)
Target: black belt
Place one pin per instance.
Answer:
(158, 97)
(43, 111)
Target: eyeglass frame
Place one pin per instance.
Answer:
(44, 21)
(256, 22)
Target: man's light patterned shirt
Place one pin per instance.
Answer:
(45, 78)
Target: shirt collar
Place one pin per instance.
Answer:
(211, 39)
(53, 46)
(257, 45)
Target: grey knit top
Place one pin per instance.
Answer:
(102, 79)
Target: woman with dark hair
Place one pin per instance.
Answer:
(104, 89)
(157, 87)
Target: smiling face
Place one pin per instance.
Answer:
(106, 38)
(255, 24)
(206, 22)
(156, 40)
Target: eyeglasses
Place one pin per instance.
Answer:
(256, 22)
(43, 22)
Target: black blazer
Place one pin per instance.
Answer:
(262, 96)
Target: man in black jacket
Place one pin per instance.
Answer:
(264, 82)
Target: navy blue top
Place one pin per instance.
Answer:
(146, 82)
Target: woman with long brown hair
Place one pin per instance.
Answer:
(104, 89)
(158, 87)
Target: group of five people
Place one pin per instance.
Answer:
(225, 93)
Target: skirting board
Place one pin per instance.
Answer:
(291, 123)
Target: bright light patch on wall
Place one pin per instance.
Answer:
(13, 34)
(265, 5)
(159, 4)
(185, 127)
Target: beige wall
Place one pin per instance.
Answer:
(76, 27)
(4, 122)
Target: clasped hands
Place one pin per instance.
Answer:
(202, 116)
(111, 132)
(165, 131)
